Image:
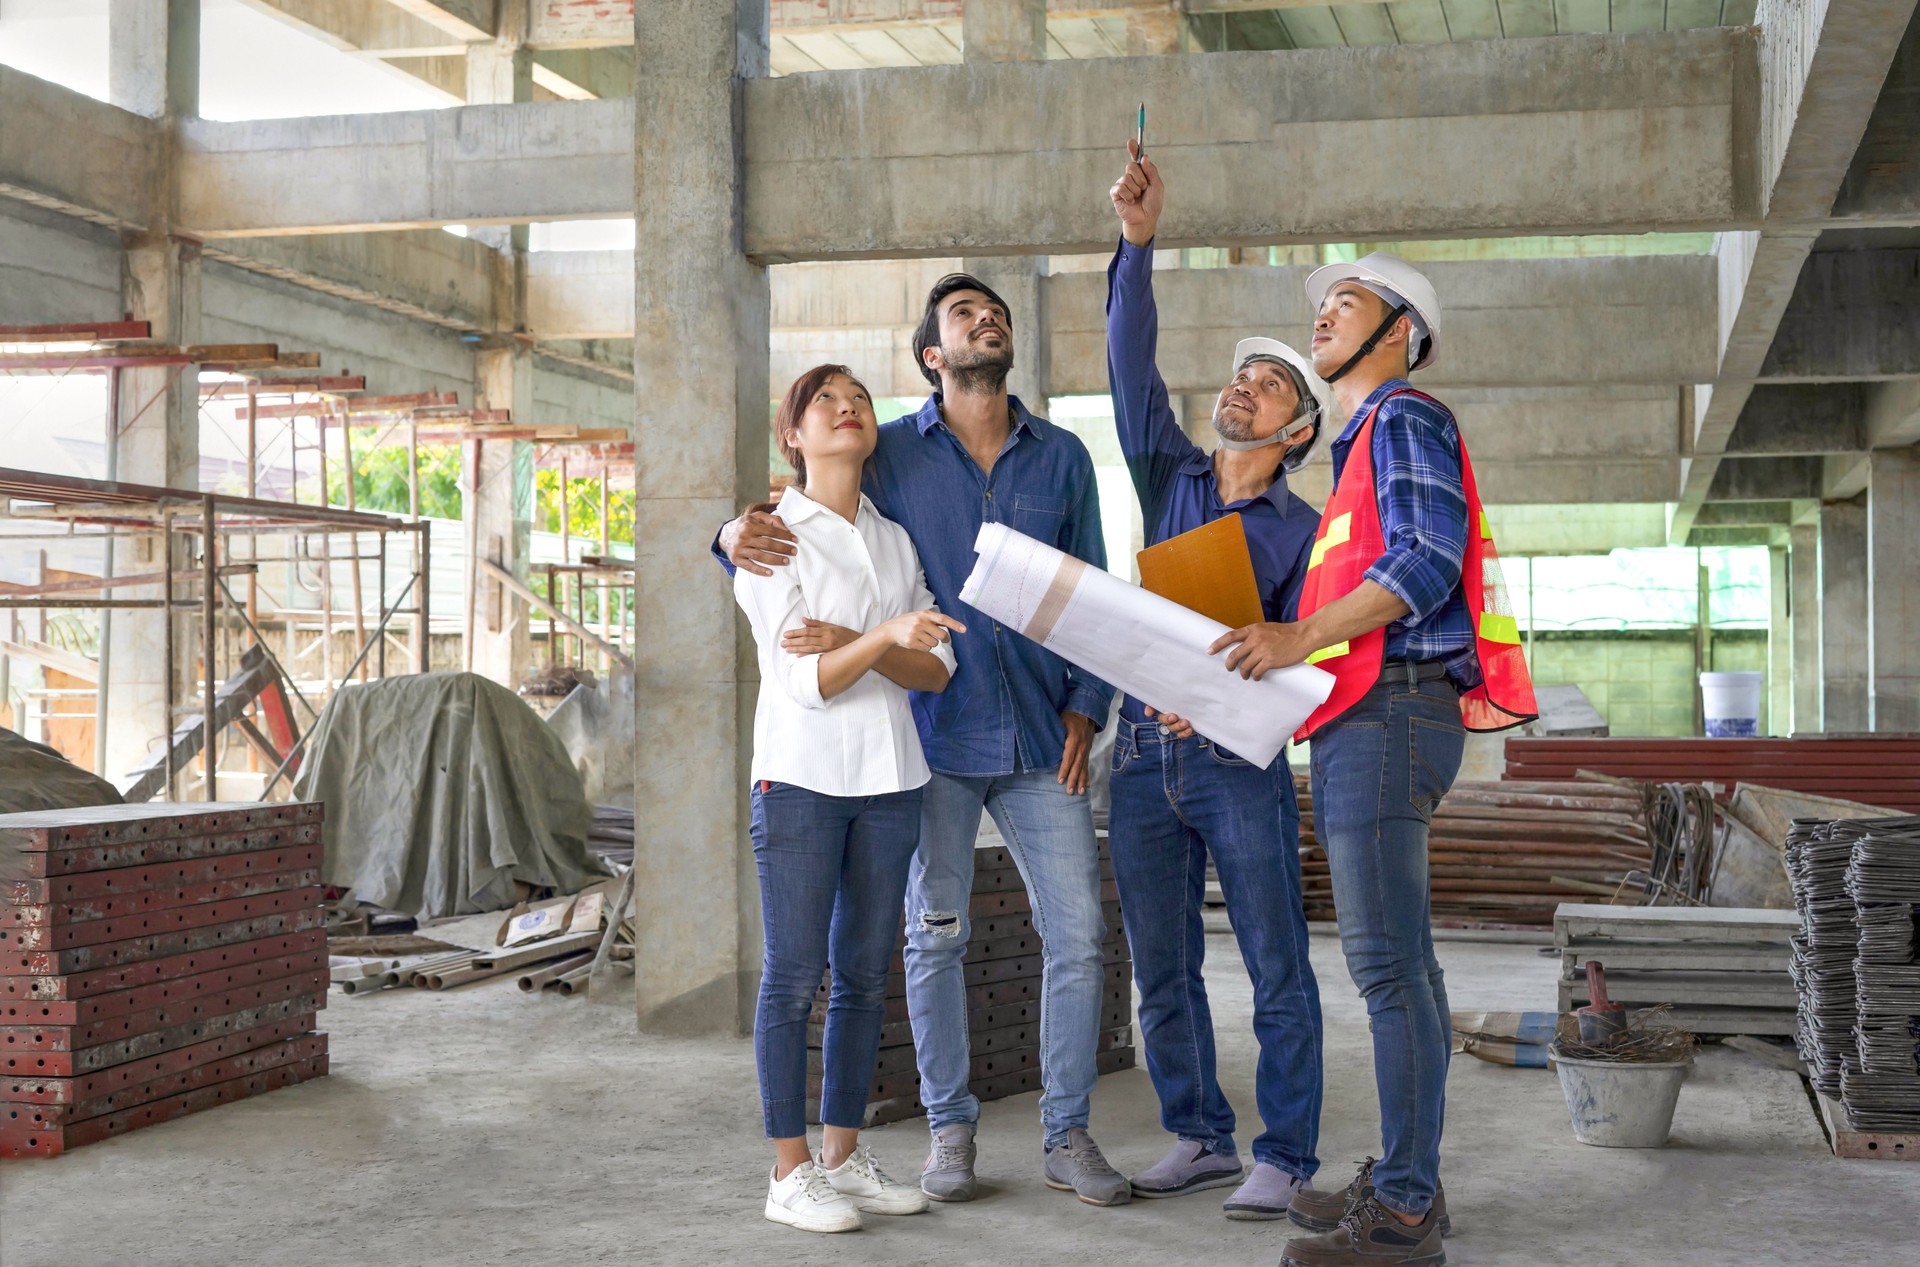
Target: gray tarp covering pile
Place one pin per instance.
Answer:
(35, 777)
(442, 790)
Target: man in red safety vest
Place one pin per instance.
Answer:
(1403, 604)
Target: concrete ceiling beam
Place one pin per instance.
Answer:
(1636, 320)
(1744, 514)
(1544, 483)
(1800, 419)
(554, 160)
(68, 152)
(1853, 315)
(362, 26)
(1635, 143)
(470, 21)
(456, 283)
(1769, 479)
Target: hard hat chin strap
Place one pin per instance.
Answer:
(1373, 341)
(1286, 433)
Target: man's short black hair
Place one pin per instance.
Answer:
(928, 335)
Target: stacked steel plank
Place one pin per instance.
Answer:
(1507, 854)
(1003, 971)
(1724, 970)
(1856, 887)
(1871, 769)
(155, 960)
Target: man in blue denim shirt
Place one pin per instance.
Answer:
(1010, 734)
(1179, 799)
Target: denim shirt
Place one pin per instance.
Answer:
(1174, 476)
(1001, 711)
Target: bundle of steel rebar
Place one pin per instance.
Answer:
(1506, 854)
(155, 960)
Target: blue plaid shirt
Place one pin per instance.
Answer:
(1423, 518)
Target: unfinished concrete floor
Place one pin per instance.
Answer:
(487, 1126)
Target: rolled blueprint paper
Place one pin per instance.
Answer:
(1148, 646)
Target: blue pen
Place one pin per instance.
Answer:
(1140, 138)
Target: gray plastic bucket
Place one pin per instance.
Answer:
(1619, 1105)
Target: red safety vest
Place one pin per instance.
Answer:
(1349, 541)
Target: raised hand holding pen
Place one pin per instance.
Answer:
(1138, 197)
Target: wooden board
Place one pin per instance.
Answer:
(1864, 1145)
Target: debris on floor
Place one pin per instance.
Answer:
(1724, 969)
(155, 961)
(547, 945)
(1856, 887)
(1003, 999)
(1516, 1039)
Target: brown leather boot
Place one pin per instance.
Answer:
(1369, 1236)
(1319, 1211)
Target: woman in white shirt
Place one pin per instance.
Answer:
(844, 631)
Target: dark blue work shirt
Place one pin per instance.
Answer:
(1173, 475)
(1001, 711)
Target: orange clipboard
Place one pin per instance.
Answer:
(1208, 570)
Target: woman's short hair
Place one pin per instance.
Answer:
(794, 406)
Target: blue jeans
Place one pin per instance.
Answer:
(1378, 772)
(1175, 801)
(1050, 835)
(832, 869)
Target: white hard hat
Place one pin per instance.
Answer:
(1397, 282)
(1322, 392)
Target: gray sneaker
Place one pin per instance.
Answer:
(1188, 1167)
(1266, 1194)
(1077, 1166)
(948, 1175)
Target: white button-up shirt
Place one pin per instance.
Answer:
(861, 742)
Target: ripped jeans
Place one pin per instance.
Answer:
(1050, 834)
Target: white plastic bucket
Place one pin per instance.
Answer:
(1732, 704)
(1619, 1105)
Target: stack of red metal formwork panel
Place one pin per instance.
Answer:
(155, 960)
(1879, 770)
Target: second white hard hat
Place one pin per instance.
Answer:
(1394, 280)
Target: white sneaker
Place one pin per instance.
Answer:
(860, 1180)
(804, 1199)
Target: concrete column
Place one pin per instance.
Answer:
(1893, 587)
(1153, 32)
(1804, 599)
(1014, 31)
(1844, 612)
(501, 509)
(700, 433)
(154, 70)
(1004, 30)
(501, 71)
(1779, 702)
(153, 56)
